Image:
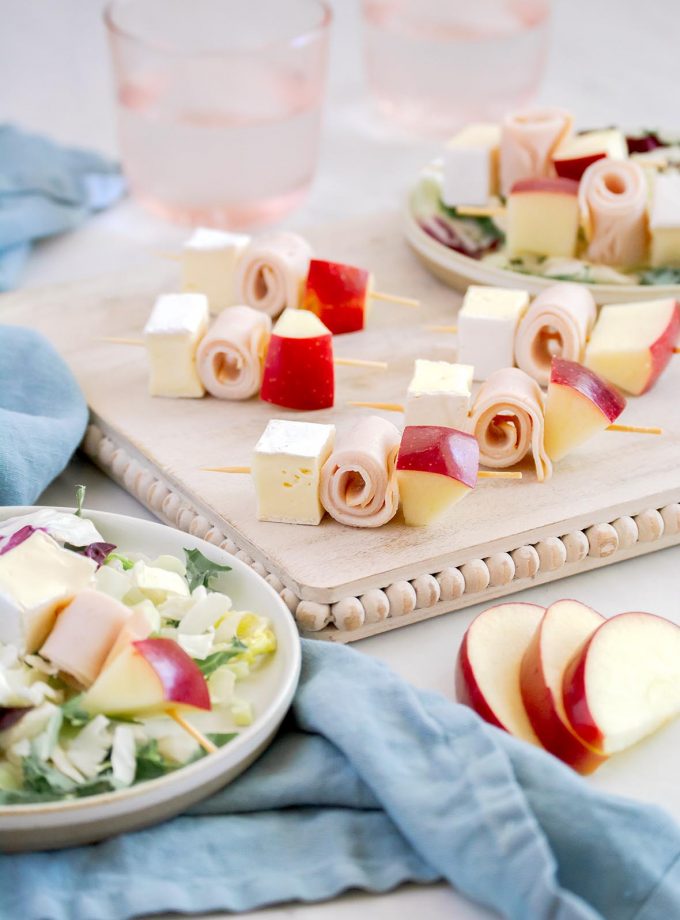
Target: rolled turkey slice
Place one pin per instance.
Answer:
(271, 272)
(557, 323)
(528, 140)
(231, 356)
(358, 481)
(613, 203)
(507, 420)
(84, 633)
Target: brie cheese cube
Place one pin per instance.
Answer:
(286, 469)
(664, 220)
(487, 324)
(543, 217)
(439, 394)
(37, 577)
(471, 165)
(177, 324)
(209, 261)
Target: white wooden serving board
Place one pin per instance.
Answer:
(156, 448)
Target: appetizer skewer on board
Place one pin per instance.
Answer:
(298, 475)
(275, 271)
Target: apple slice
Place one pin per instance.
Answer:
(151, 675)
(624, 684)
(579, 405)
(562, 632)
(488, 666)
(338, 294)
(298, 370)
(575, 154)
(632, 343)
(543, 217)
(436, 467)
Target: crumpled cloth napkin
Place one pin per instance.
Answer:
(43, 415)
(45, 189)
(374, 783)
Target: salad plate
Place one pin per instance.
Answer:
(265, 690)
(439, 237)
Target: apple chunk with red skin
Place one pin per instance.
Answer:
(151, 675)
(632, 343)
(338, 294)
(565, 628)
(575, 154)
(298, 370)
(624, 684)
(489, 662)
(436, 467)
(579, 405)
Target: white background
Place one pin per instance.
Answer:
(611, 62)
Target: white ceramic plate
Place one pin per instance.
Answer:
(59, 824)
(458, 270)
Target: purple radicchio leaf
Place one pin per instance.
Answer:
(96, 551)
(18, 537)
(10, 715)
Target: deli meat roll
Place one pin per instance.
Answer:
(613, 202)
(507, 420)
(231, 356)
(271, 272)
(358, 481)
(557, 323)
(528, 140)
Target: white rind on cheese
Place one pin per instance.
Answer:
(173, 332)
(286, 470)
(36, 577)
(439, 394)
(209, 261)
(470, 175)
(487, 325)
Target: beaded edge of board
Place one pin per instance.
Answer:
(493, 574)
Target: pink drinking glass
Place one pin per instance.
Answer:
(219, 104)
(433, 65)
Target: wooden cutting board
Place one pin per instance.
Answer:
(616, 497)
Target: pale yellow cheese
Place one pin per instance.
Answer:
(286, 469)
(209, 261)
(172, 334)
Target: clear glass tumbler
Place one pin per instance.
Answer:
(219, 104)
(433, 65)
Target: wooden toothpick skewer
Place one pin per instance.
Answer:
(359, 362)
(198, 736)
(480, 210)
(453, 329)
(498, 474)
(225, 469)
(385, 406)
(169, 256)
(635, 429)
(676, 351)
(394, 298)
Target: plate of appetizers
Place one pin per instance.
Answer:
(528, 202)
(141, 669)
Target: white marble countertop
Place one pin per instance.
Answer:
(610, 63)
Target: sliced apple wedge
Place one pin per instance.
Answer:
(151, 675)
(579, 405)
(625, 682)
(489, 662)
(562, 632)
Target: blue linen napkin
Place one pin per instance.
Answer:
(374, 783)
(45, 189)
(43, 415)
